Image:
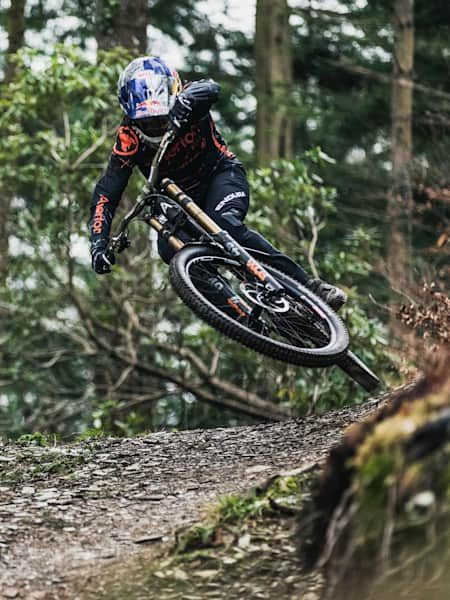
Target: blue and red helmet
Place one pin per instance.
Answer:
(147, 90)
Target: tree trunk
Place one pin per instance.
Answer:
(122, 23)
(400, 199)
(119, 23)
(274, 136)
(16, 36)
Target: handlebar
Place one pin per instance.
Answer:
(120, 241)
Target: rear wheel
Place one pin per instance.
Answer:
(295, 328)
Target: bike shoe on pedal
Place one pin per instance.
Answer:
(332, 295)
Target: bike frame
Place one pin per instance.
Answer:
(150, 196)
(191, 213)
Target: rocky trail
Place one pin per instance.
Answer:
(68, 511)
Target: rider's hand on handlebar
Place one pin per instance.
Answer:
(180, 113)
(102, 260)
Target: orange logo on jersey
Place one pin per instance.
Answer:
(99, 216)
(127, 142)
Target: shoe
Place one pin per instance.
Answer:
(332, 295)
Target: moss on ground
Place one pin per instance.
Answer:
(44, 462)
(381, 514)
(230, 512)
(245, 548)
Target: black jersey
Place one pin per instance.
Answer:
(189, 160)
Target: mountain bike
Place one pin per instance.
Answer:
(235, 289)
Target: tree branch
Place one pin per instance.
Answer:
(84, 155)
(386, 79)
(235, 399)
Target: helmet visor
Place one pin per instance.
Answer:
(152, 126)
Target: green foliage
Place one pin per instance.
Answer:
(41, 463)
(52, 128)
(292, 207)
(233, 511)
(89, 434)
(36, 439)
(343, 106)
(66, 331)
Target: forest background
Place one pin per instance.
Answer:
(340, 111)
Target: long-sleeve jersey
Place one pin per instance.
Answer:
(189, 160)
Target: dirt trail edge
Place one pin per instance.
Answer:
(74, 508)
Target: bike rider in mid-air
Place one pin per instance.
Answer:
(153, 100)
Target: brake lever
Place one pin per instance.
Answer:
(119, 243)
(123, 243)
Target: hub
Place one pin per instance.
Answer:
(258, 294)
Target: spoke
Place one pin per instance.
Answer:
(281, 318)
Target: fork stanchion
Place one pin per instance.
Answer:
(176, 243)
(189, 206)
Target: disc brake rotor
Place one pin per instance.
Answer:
(257, 294)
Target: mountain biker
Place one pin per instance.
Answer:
(153, 100)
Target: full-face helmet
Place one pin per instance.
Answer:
(147, 90)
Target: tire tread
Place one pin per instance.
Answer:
(243, 335)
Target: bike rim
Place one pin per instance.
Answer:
(282, 319)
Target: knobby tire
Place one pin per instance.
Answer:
(287, 352)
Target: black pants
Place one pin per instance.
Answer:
(227, 202)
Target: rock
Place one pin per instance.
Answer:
(257, 469)
(229, 560)
(423, 500)
(206, 574)
(244, 541)
(180, 574)
(47, 494)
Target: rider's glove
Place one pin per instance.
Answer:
(180, 113)
(102, 259)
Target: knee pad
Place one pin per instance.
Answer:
(231, 221)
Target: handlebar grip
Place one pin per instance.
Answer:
(119, 244)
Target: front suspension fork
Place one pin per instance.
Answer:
(231, 247)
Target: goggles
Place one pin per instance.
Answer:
(152, 126)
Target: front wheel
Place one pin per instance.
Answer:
(295, 328)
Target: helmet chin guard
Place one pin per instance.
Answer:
(153, 142)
